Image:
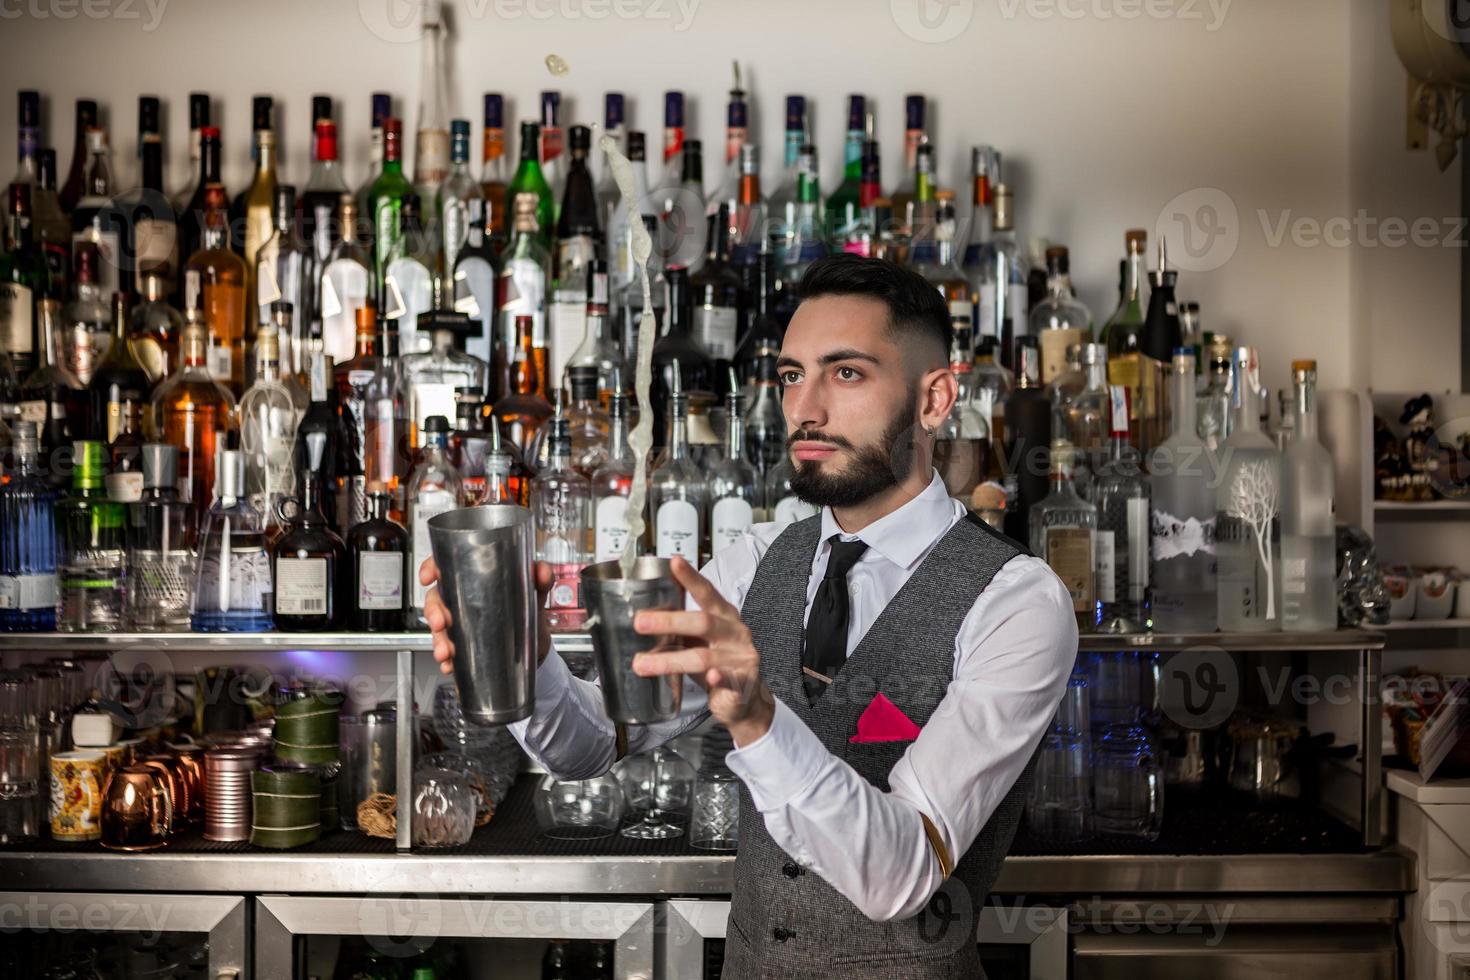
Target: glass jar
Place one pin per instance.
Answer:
(1128, 785)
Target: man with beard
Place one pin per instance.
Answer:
(885, 668)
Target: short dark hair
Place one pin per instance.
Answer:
(915, 305)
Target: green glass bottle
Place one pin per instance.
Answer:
(92, 572)
(529, 179)
(385, 204)
(24, 280)
(843, 207)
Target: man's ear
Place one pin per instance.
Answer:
(939, 391)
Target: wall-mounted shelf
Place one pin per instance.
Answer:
(1427, 634)
(1427, 510)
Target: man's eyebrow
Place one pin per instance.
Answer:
(831, 357)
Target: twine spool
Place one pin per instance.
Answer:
(307, 729)
(227, 792)
(287, 807)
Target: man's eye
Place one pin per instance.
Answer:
(848, 374)
(789, 377)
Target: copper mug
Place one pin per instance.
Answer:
(190, 759)
(176, 786)
(136, 809)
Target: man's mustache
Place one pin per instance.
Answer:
(810, 435)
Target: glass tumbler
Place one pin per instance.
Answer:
(20, 774)
(714, 824)
(1128, 785)
(1116, 685)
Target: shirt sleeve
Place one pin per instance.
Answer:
(1014, 652)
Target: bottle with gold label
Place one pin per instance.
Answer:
(1123, 334)
(156, 326)
(118, 372)
(1059, 320)
(1064, 532)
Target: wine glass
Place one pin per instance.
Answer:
(658, 786)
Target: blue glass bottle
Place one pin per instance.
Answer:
(27, 541)
(233, 593)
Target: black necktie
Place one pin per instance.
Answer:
(826, 625)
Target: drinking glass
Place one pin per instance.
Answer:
(1128, 784)
(443, 808)
(714, 824)
(1059, 805)
(658, 786)
(1116, 684)
(579, 809)
(20, 755)
(17, 705)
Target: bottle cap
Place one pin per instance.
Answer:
(231, 474)
(382, 108)
(160, 465)
(582, 379)
(581, 138)
(436, 424)
(148, 113)
(913, 107)
(550, 106)
(612, 110)
(24, 439)
(198, 110)
(30, 108)
(637, 146)
(673, 110)
(857, 108)
(459, 128)
(795, 112)
(260, 112)
(321, 108)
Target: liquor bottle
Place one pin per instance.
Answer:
(665, 193)
(148, 219)
(1121, 493)
(291, 378)
(1063, 530)
(716, 288)
(156, 326)
(408, 283)
(914, 136)
(198, 118)
(431, 138)
(624, 268)
(783, 204)
(984, 175)
(734, 484)
(285, 271)
(28, 544)
(428, 379)
(494, 173)
(92, 570)
(1003, 313)
(52, 398)
(524, 410)
(529, 179)
(607, 185)
(1213, 404)
(382, 109)
(1182, 475)
(24, 280)
(352, 379)
(863, 234)
(923, 206)
(577, 235)
(611, 484)
(844, 206)
(737, 120)
(256, 205)
(118, 371)
(475, 274)
(598, 350)
(684, 228)
(1028, 428)
(677, 352)
(194, 211)
(783, 506)
(346, 283)
(433, 488)
(233, 590)
(75, 187)
(1084, 418)
(1123, 333)
(28, 137)
(385, 439)
(962, 446)
(50, 227)
(214, 287)
(326, 455)
(748, 229)
(160, 563)
(506, 480)
(1248, 529)
(764, 422)
(194, 412)
(124, 481)
(808, 239)
(456, 192)
(94, 219)
(377, 568)
(269, 417)
(550, 152)
(319, 200)
(1162, 332)
(677, 493)
(521, 288)
(587, 422)
(469, 441)
(561, 508)
(86, 320)
(763, 335)
(931, 255)
(1308, 531)
(1059, 320)
(307, 560)
(385, 202)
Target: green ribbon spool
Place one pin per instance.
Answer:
(307, 729)
(286, 806)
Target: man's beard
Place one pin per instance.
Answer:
(871, 469)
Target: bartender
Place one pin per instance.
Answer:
(886, 668)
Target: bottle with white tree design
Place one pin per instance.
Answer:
(1247, 528)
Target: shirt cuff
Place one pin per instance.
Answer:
(780, 765)
(553, 681)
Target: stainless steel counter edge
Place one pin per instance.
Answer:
(1387, 871)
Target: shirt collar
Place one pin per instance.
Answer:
(907, 533)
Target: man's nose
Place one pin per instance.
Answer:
(803, 407)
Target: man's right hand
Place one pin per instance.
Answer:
(437, 614)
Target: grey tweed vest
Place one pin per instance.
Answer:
(789, 923)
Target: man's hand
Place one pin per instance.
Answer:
(721, 656)
(437, 614)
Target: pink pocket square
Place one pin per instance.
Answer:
(882, 721)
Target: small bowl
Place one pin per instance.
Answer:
(1436, 596)
(1402, 595)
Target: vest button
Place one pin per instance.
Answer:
(781, 934)
(791, 869)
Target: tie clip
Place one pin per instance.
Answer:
(812, 673)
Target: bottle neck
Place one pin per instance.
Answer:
(208, 162)
(679, 433)
(734, 432)
(153, 165)
(525, 379)
(1133, 290)
(1097, 375)
(265, 155)
(1306, 407)
(1184, 404)
(617, 439)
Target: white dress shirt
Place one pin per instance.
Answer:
(1013, 653)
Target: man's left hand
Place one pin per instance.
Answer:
(720, 655)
